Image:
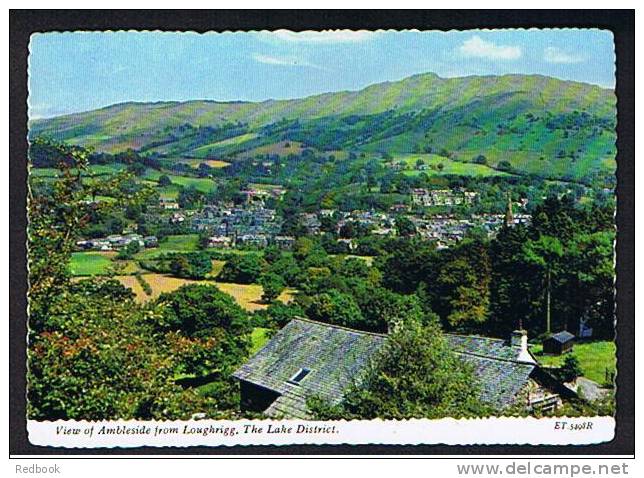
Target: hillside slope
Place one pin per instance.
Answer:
(531, 124)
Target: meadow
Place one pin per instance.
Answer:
(176, 243)
(449, 166)
(91, 263)
(204, 185)
(249, 296)
(595, 357)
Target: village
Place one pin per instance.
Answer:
(252, 225)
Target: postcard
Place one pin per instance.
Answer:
(321, 237)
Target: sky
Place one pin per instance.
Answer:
(79, 71)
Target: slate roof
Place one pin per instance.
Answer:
(500, 373)
(335, 356)
(563, 337)
(338, 356)
(484, 346)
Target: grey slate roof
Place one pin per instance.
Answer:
(484, 346)
(563, 337)
(336, 357)
(496, 366)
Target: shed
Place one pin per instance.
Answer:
(558, 343)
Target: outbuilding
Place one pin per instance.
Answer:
(558, 343)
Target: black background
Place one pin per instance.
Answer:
(621, 22)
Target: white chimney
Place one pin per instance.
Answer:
(519, 339)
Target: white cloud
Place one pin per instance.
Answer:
(325, 36)
(479, 48)
(283, 61)
(555, 55)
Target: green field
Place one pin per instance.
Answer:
(204, 185)
(206, 150)
(594, 357)
(180, 243)
(90, 263)
(449, 166)
(94, 169)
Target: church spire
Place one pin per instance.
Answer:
(509, 218)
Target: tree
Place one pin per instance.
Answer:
(588, 272)
(462, 285)
(416, 375)
(209, 334)
(514, 284)
(287, 268)
(194, 265)
(404, 227)
(272, 286)
(202, 310)
(98, 359)
(128, 251)
(189, 197)
(164, 180)
(382, 309)
(545, 252)
(334, 307)
(242, 269)
(409, 263)
(571, 369)
(504, 165)
(480, 159)
(138, 169)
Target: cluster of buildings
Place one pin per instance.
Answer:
(256, 195)
(116, 241)
(230, 226)
(379, 223)
(447, 228)
(442, 197)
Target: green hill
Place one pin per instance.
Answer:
(519, 123)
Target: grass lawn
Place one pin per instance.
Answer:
(594, 358)
(90, 263)
(258, 338)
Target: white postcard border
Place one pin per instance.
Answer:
(448, 431)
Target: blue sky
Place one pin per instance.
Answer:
(71, 72)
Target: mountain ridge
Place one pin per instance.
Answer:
(514, 118)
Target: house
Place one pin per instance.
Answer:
(558, 343)
(304, 359)
(219, 242)
(308, 358)
(284, 242)
(150, 241)
(310, 222)
(255, 240)
(350, 244)
(170, 205)
(177, 218)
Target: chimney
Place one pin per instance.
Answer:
(519, 339)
